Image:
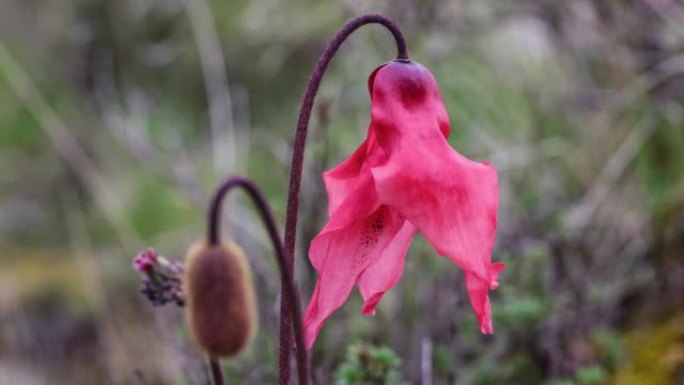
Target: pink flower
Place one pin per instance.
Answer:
(145, 260)
(404, 177)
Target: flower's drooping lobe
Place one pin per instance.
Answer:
(403, 178)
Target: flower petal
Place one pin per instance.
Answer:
(345, 253)
(341, 179)
(386, 271)
(451, 200)
(360, 203)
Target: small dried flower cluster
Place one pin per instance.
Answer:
(162, 278)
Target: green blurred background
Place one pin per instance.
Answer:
(118, 117)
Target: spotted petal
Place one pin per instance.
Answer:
(343, 254)
(382, 275)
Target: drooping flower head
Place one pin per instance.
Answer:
(403, 178)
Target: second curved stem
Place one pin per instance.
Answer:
(289, 289)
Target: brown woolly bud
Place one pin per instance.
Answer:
(221, 308)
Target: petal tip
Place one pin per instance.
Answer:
(369, 305)
(486, 327)
(496, 268)
(368, 312)
(310, 334)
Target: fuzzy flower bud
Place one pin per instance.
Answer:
(221, 307)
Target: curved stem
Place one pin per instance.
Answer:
(289, 290)
(298, 159)
(216, 374)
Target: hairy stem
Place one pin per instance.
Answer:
(294, 314)
(298, 159)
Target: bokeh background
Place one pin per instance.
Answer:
(117, 118)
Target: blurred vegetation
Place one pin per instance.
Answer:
(369, 365)
(109, 143)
